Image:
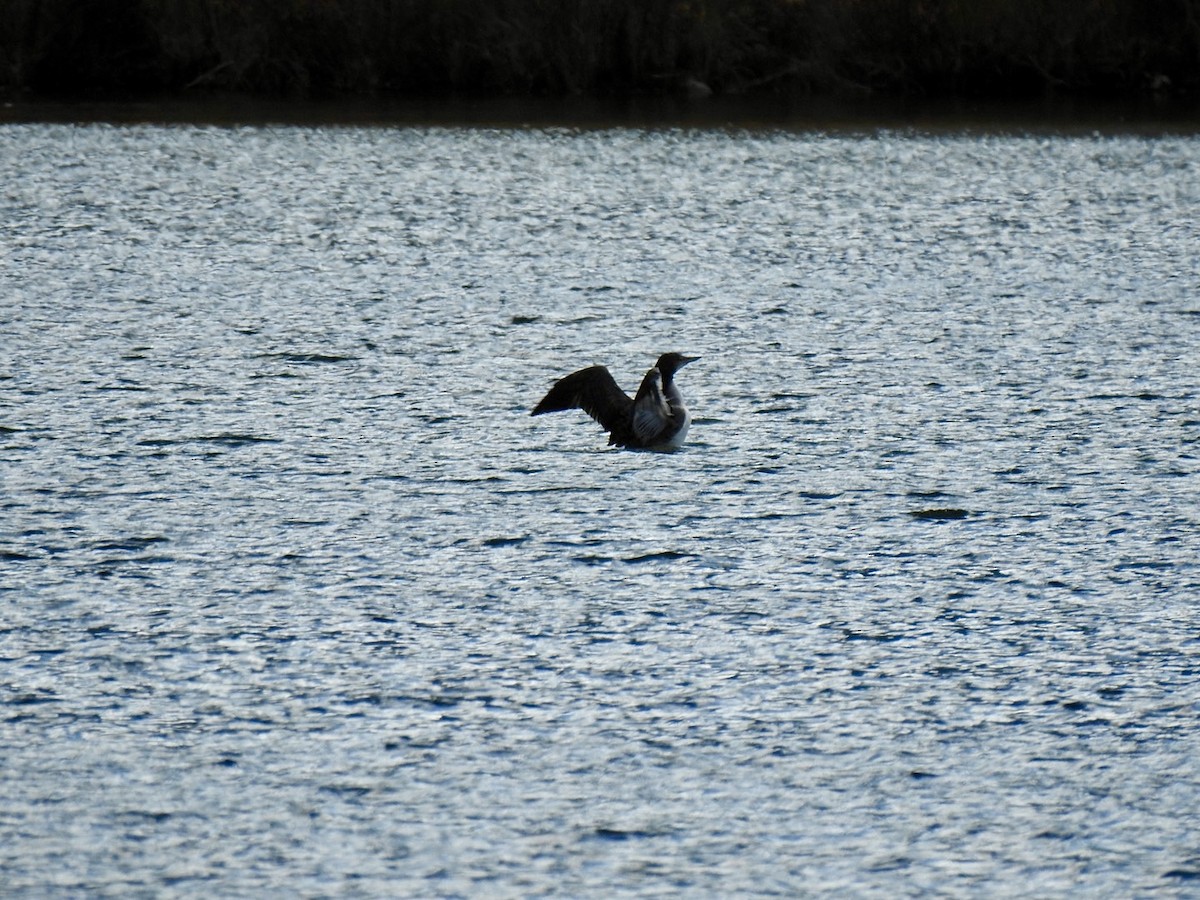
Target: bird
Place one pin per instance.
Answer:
(655, 419)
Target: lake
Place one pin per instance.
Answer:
(299, 600)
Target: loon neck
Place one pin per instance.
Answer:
(674, 397)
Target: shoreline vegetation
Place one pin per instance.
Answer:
(987, 49)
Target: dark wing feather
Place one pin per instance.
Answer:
(651, 417)
(595, 392)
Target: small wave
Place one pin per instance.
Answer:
(309, 358)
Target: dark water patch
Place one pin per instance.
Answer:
(506, 541)
(1053, 835)
(894, 864)
(235, 439)
(877, 637)
(792, 395)
(476, 480)
(581, 320)
(663, 555)
(308, 358)
(1141, 395)
(16, 556)
(125, 566)
(131, 543)
(35, 699)
(778, 516)
(229, 439)
(1012, 471)
(550, 489)
(1145, 564)
(939, 514)
(1183, 874)
(626, 834)
(346, 791)
(286, 373)
(135, 817)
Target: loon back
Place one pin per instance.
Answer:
(656, 418)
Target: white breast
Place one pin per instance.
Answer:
(680, 436)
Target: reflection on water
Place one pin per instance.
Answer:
(299, 598)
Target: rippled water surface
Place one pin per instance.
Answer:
(298, 600)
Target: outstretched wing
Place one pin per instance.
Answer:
(651, 413)
(595, 392)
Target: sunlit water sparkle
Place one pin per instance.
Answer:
(297, 597)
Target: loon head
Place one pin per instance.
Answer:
(669, 363)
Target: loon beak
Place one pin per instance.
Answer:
(687, 359)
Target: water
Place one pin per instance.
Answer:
(297, 598)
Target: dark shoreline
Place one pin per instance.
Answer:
(613, 50)
(1142, 116)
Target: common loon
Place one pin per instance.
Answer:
(655, 419)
